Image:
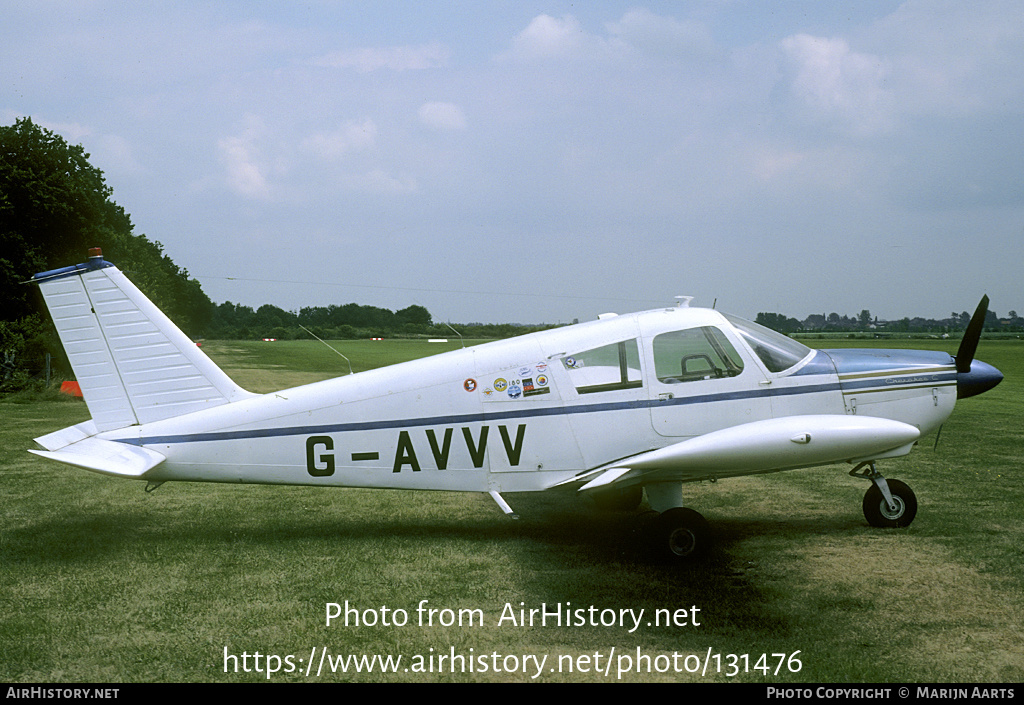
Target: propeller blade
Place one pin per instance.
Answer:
(969, 343)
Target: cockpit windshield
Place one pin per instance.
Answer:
(777, 351)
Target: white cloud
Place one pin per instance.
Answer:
(549, 37)
(768, 163)
(109, 153)
(380, 181)
(350, 137)
(955, 58)
(246, 174)
(837, 83)
(442, 116)
(662, 36)
(639, 30)
(399, 58)
(263, 162)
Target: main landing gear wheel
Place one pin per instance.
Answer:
(681, 535)
(877, 510)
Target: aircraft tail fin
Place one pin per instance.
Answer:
(133, 364)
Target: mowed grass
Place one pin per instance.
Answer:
(102, 582)
(269, 366)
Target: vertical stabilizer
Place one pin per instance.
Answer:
(133, 364)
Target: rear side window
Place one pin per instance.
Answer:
(695, 354)
(605, 369)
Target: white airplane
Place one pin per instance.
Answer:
(648, 400)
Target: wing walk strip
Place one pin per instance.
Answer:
(945, 379)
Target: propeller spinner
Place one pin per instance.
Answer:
(974, 376)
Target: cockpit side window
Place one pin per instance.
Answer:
(777, 351)
(695, 354)
(607, 368)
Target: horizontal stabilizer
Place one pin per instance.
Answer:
(67, 436)
(106, 457)
(764, 446)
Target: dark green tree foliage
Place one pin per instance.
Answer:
(414, 315)
(778, 322)
(351, 320)
(54, 206)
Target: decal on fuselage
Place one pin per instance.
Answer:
(518, 383)
(320, 455)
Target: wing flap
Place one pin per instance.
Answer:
(606, 478)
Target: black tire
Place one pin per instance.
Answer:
(681, 536)
(877, 511)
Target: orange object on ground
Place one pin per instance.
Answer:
(71, 388)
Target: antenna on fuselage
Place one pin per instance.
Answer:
(328, 345)
(463, 342)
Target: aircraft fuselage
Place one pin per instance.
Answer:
(531, 412)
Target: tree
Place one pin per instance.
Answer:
(416, 315)
(815, 321)
(54, 205)
(991, 320)
(778, 322)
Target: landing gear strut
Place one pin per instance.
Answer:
(887, 503)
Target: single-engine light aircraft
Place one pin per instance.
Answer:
(645, 401)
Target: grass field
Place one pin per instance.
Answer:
(101, 582)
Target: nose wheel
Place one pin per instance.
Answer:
(900, 513)
(887, 503)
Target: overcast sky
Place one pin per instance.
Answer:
(542, 161)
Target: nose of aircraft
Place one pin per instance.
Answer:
(980, 378)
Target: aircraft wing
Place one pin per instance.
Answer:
(761, 447)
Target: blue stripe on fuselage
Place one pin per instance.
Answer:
(845, 361)
(451, 420)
